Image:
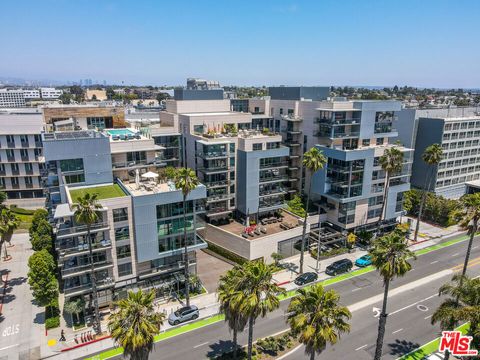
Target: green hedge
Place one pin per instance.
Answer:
(21, 211)
(226, 254)
(332, 252)
(52, 322)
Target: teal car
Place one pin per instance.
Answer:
(365, 260)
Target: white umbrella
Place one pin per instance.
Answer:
(150, 175)
(137, 178)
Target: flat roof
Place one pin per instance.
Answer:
(224, 113)
(146, 188)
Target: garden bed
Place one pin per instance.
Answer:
(328, 254)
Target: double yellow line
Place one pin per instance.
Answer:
(471, 263)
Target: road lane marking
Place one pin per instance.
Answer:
(427, 317)
(456, 254)
(356, 289)
(397, 331)
(401, 289)
(8, 347)
(361, 347)
(415, 303)
(202, 344)
(290, 352)
(475, 247)
(472, 262)
(434, 262)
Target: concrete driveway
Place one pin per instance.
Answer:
(209, 269)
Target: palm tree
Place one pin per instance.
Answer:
(391, 162)
(313, 160)
(389, 256)
(135, 323)
(255, 294)
(469, 215)
(462, 305)
(316, 315)
(432, 157)
(87, 213)
(233, 316)
(8, 223)
(186, 181)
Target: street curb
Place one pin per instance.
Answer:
(4, 289)
(85, 343)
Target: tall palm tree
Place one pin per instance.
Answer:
(462, 305)
(87, 213)
(391, 162)
(8, 223)
(313, 160)
(432, 157)
(389, 255)
(469, 215)
(255, 294)
(316, 315)
(233, 316)
(186, 181)
(135, 323)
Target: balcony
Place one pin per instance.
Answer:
(15, 171)
(291, 117)
(65, 230)
(292, 143)
(272, 192)
(219, 197)
(10, 158)
(383, 128)
(213, 155)
(11, 144)
(86, 288)
(38, 144)
(25, 158)
(275, 178)
(138, 163)
(81, 269)
(341, 135)
(165, 269)
(77, 249)
(214, 169)
(337, 122)
(25, 144)
(279, 164)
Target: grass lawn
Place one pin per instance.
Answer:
(25, 220)
(103, 192)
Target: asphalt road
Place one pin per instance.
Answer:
(413, 299)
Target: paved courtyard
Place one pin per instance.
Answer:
(209, 269)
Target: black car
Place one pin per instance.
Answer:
(306, 278)
(339, 267)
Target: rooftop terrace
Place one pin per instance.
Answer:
(103, 192)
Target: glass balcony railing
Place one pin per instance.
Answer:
(68, 249)
(65, 229)
(85, 267)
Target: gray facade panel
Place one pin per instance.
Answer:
(187, 94)
(299, 92)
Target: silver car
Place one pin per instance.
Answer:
(183, 314)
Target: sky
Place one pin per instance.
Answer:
(425, 43)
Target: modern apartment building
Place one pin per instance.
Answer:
(10, 98)
(76, 117)
(138, 240)
(457, 130)
(21, 159)
(42, 93)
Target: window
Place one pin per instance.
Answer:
(136, 156)
(28, 181)
(198, 129)
(10, 139)
(232, 147)
(379, 141)
(120, 214)
(73, 179)
(71, 165)
(125, 269)
(281, 111)
(366, 142)
(256, 110)
(257, 146)
(122, 233)
(123, 251)
(28, 167)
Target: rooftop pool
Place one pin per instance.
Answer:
(120, 132)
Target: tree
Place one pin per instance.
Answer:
(389, 255)
(469, 215)
(317, 317)
(462, 305)
(255, 294)
(38, 215)
(313, 160)
(74, 307)
(226, 295)
(432, 157)
(135, 323)
(3, 198)
(170, 172)
(8, 223)
(41, 241)
(162, 96)
(65, 98)
(41, 277)
(94, 97)
(351, 240)
(391, 162)
(87, 213)
(186, 181)
(276, 258)
(295, 206)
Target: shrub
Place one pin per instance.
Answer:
(226, 254)
(21, 211)
(296, 206)
(52, 322)
(328, 253)
(41, 241)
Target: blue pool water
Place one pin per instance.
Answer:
(120, 132)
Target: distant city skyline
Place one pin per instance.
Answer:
(348, 43)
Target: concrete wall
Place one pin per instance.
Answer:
(299, 92)
(189, 106)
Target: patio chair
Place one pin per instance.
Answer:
(244, 235)
(257, 232)
(263, 230)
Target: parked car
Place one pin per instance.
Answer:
(305, 278)
(363, 261)
(339, 267)
(183, 314)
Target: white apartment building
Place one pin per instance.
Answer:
(21, 159)
(11, 98)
